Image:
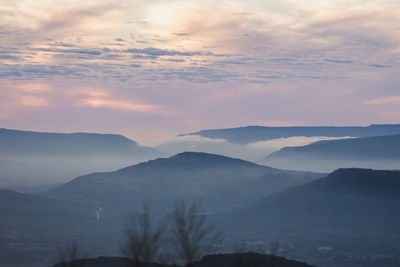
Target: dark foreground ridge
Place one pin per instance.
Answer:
(218, 260)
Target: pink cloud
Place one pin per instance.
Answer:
(118, 104)
(31, 101)
(34, 87)
(384, 101)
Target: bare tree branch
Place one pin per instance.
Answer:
(191, 234)
(143, 238)
(69, 257)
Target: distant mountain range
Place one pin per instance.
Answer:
(221, 183)
(341, 216)
(94, 209)
(36, 158)
(26, 143)
(251, 134)
(375, 152)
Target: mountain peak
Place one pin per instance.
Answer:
(365, 182)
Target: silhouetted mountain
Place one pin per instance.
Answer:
(35, 158)
(218, 260)
(353, 200)
(381, 151)
(349, 213)
(15, 142)
(222, 183)
(250, 134)
(93, 209)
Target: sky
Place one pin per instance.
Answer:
(153, 69)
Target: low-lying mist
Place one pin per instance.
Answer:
(37, 173)
(255, 152)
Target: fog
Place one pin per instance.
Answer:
(256, 152)
(37, 173)
(321, 164)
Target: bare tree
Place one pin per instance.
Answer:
(191, 234)
(143, 238)
(70, 257)
(274, 248)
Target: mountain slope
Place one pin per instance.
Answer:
(380, 151)
(15, 142)
(343, 217)
(222, 183)
(347, 200)
(250, 134)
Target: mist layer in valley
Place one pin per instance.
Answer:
(255, 151)
(33, 161)
(379, 152)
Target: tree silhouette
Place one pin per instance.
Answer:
(190, 232)
(69, 257)
(143, 238)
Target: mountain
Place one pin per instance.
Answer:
(16, 143)
(35, 158)
(93, 210)
(251, 134)
(377, 152)
(222, 183)
(347, 214)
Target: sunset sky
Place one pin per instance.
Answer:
(154, 69)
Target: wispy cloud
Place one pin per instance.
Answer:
(33, 101)
(384, 101)
(117, 104)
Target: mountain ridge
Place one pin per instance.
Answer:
(186, 175)
(251, 134)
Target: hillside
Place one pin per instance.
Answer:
(349, 210)
(15, 142)
(378, 152)
(23, 210)
(33, 227)
(222, 183)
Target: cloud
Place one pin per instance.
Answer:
(338, 61)
(32, 101)
(276, 144)
(117, 104)
(102, 98)
(380, 66)
(33, 87)
(92, 52)
(390, 100)
(152, 51)
(10, 57)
